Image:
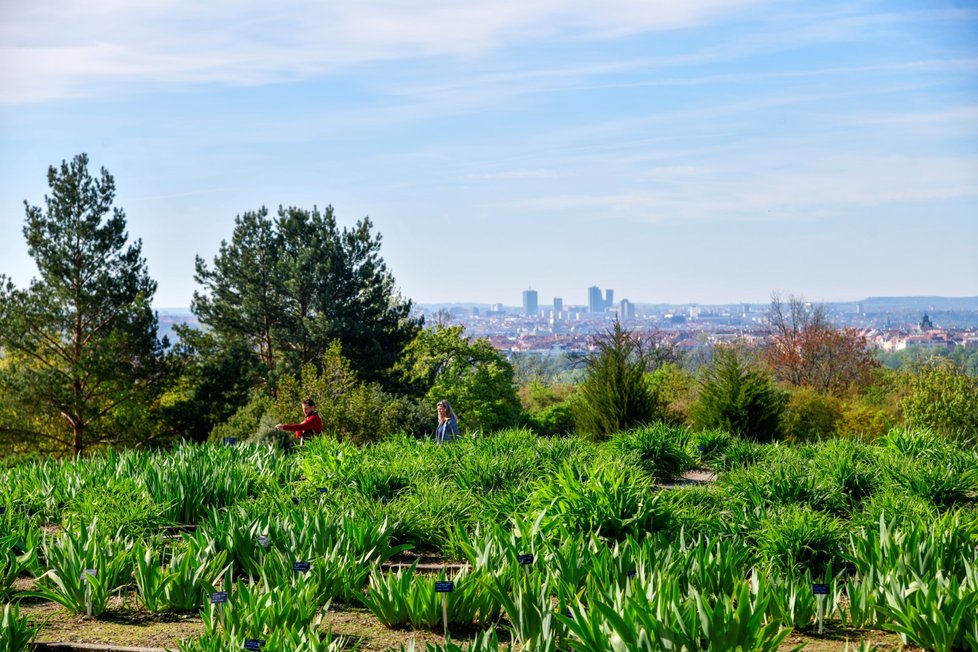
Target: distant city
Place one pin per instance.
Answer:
(556, 326)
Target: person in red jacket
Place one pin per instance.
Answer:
(309, 428)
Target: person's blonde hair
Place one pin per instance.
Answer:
(449, 413)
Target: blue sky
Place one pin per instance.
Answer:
(675, 150)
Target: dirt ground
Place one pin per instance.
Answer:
(124, 625)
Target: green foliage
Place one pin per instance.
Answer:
(608, 500)
(796, 539)
(350, 410)
(659, 450)
(85, 567)
(81, 357)
(288, 286)
(614, 395)
(736, 397)
(943, 398)
(441, 363)
(16, 633)
(675, 388)
(810, 415)
(403, 597)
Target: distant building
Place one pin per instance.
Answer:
(595, 303)
(925, 323)
(626, 310)
(558, 305)
(598, 303)
(530, 302)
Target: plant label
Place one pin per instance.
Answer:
(89, 572)
(322, 490)
(253, 644)
(219, 598)
(820, 589)
(3, 510)
(301, 566)
(701, 448)
(230, 441)
(583, 479)
(631, 574)
(524, 560)
(263, 542)
(295, 500)
(444, 587)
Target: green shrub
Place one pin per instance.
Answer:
(943, 398)
(736, 397)
(810, 415)
(795, 539)
(614, 395)
(659, 450)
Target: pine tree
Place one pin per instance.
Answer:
(290, 286)
(79, 345)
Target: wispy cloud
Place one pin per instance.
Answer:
(58, 48)
(807, 190)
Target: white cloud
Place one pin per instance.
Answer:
(60, 48)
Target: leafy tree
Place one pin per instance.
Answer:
(441, 363)
(806, 351)
(943, 398)
(737, 397)
(615, 395)
(80, 344)
(209, 382)
(287, 287)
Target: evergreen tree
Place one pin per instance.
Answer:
(291, 285)
(737, 398)
(80, 349)
(614, 395)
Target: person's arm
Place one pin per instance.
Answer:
(299, 427)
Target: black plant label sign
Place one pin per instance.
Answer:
(263, 542)
(230, 441)
(444, 587)
(301, 566)
(219, 598)
(524, 560)
(820, 589)
(254, 644)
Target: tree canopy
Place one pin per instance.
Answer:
(288, 286)
(80, 348)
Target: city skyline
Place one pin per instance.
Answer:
(708, 151)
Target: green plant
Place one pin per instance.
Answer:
(402, 598)
(614, 395)
(736, 397)
(659, 450)
(606, 500)
(795, 539)
(12, 564)
(16, 633)
(84, 568)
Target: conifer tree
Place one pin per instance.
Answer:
(79, 346)
(289, 286)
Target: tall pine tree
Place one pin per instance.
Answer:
(79, 345)
(288, 286)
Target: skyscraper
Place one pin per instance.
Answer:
(626, 310)
(558, 305)
(594, 301)
(530, 302)
(609, 298)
